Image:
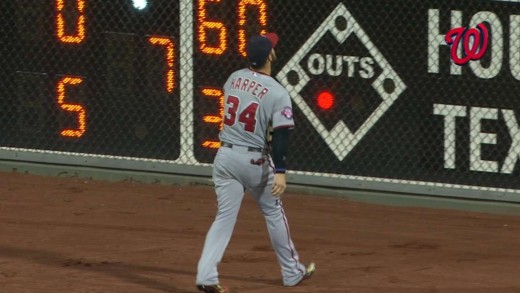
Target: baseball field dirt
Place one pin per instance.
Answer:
(79, 235)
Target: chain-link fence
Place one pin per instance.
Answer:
(404, 90)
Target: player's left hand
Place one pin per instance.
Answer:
(279, 184)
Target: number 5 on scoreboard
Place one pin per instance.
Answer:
(77, 109)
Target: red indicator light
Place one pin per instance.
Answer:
(325, 100)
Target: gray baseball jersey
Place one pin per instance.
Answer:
(253, 100)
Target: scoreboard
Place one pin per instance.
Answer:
(103, 77)
(379, 92)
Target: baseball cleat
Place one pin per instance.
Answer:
(212, 288)
(311, 268)
(309, 271)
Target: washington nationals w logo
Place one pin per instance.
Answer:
(474, 42)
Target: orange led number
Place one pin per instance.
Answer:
(262, 19)
(74, 108)
(205, 25)
(214, 119)
(79, 34)
(170, 58)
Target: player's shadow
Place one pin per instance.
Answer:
(121, 270)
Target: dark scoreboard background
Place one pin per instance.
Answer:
(102, 77)
(129, 111)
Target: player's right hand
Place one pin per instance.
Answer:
(279, 184)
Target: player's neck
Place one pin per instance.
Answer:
(266, 69)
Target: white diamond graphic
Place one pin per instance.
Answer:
(341, 140)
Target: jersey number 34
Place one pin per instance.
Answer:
(247, 117)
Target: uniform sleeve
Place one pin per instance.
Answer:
(225, 88)
(283, 112)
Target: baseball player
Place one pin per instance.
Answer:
(253, 101)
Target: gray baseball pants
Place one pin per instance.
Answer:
(233, 173)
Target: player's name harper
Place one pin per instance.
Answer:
(249, 86)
